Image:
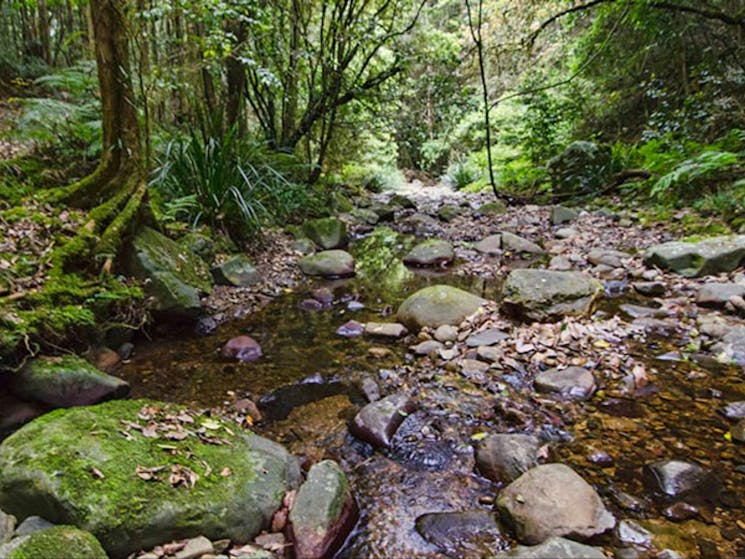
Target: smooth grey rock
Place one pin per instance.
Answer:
(446, 333)
(562, 214)
(473, 533)
(606, 257)
(237, 271)
(242, 348)
(514, 243)
(710, 256)
(66, 381)
(548, 295)
(327, 232)
(553, 500)
(386, 329)
(351, 329)
(489, 354)
(554, 548)
(377, 422)
(565, 233)
(572, 382)
(195, 548)
(675, 478)
(505, 457)
(718, 294)
(473, 367)
(328, 263)
(427, 347)
(631, 532)
(7, 527)
(324, 512)
(560, 264)
(32, 524)
(432, 252)
(490, 245)
(490, 336)
(437, 305)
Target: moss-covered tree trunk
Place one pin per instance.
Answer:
(115, 191)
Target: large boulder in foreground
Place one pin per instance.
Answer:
(66, 381)
(543, 295)
(553, 500)
(710, 256)
(137, 473)
(324, 512)
(437, 305)
(326, 232)
(328, 264)
(177, 277)
(58, 541)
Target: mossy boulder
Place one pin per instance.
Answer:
(582, 167)
(237, 271)
(200, 244)
(328, 264)
(438, 305)
(544, 295)
(58, 541)
(174, 276)
(709, 256)
(66, 381)
(137, 473)
(492, 209)
(326, 232)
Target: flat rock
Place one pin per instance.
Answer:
(565, 233)
(606, 257)
(106, 472)
(237, 271)
(427, 347)
(490, 245)
(432, 252)
(386, 329)
(718, 294)
(572, 382)
(505, 457)
(66, 381)
(515, 243)
(473, 366)
(710, 256)
(378, 421)
(242, 348)
(560, 264)
(446, 333)
(489, 354)
(650, 288)
(327, 232)
(473, 533)
(554, 548)
(490, 336)
(57, 541)
(437, 305)
(328, 264)
(562, 214)
(553, 500)
(324, 512)
(676, 478)
(542, 295)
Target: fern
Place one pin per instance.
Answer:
(706, 165)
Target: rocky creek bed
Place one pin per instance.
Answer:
(579, 391)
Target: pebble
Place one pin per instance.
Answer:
(351, 329)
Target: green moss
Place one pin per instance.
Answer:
(56, 542)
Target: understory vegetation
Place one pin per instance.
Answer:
(254, 115)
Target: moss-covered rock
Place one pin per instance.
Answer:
(58, 541)
(328, 264)
(709, 256)
(492, 208)
(437, 305)
(237, 271)
(67, 381)
(176, 275)
(327, 232)
(138, 473)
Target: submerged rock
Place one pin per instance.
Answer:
(554, 548)
(505, 457)
(472, 533)
(548, 295)
(324, 512)
(329, 264)
(58, 541)
(121, 486)
(553, 500)
(242, 348)
(437, 305)
(238, 271)
(67, 381)
(328, 232)
(572, 382)
(432, 252)
(377, 422)
(675, 478)
(710, 256)
(177, 277)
